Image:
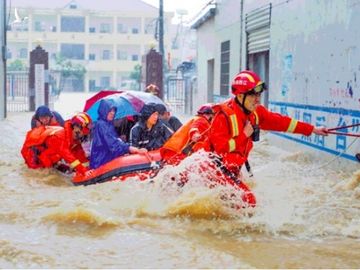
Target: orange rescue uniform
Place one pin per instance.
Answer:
(228, 139)
(180, 146)
(46, 145)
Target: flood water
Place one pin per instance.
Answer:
(308, 214)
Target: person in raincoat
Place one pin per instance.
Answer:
(106, 145)
(191, 137)
(237, 122)
(46, 146)
(173, 122)
(43, 116)
(149, 132)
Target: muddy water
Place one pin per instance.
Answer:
(308, 215)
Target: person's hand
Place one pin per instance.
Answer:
(196, 137)
(81, 169)
(320, 131)
(135, 150)
(248, 129)
(89, 173)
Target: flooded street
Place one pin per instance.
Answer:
(308, 214)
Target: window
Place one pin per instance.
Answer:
(122, 28)
(105, 82)
(72, 24)
(134, 57)
(122, 55)
(92, 56)
(224, 68)
(73, 51)
(135, 31)
(23, 53)
(38, 26)
(106, 55)
(92, 29)
(104, 28)
(8, 54)
(92, 85)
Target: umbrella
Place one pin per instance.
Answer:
(127, 103)
(103, 93)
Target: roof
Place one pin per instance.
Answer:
(104, 5)
(204, 15)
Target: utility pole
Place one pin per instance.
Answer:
(161, 44)
(161, 27)
(3, 59)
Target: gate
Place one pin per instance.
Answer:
(17, 90)
(179, 93)
(17, 94)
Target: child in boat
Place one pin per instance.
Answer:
(106, 145)
(150, 132)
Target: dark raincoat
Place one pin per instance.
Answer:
(105, 144)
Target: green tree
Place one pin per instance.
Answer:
(136, 75)
(16, 65)
(68, 70)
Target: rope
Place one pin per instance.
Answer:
(335, 158)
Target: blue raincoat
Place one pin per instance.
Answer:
(105, 144)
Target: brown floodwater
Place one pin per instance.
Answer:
(308, 215)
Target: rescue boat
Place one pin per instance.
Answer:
(122, 168)
(145, 166)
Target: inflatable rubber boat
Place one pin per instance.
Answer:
(147, 166)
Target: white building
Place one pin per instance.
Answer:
(307, 51)
(107, 37)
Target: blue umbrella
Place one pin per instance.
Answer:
(124, 107)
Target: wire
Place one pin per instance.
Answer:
(335, 158)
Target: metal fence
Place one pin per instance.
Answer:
(17, 90)
(179, 93)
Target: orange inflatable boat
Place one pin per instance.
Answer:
(122, 168)
(145, 166)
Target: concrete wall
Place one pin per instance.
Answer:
(315, 66)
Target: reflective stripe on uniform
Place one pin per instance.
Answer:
(232, 145)
(74, 164)
(86, 164)
(234, 125)
(256, 118)
(292, 125)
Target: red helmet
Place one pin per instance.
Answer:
(206, 108)
(247, 81)
(83, 120)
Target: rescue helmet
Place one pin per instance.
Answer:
(82, 120)
(43, 111)
(248, 82)
(206, 109)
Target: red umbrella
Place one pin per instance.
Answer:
(103, 93)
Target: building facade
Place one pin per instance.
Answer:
(108, 37)
(306, 51)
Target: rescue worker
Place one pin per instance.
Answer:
(172, 121)
(237, 122)
(43, 116)
(190, 138)
(106, 145)
(45, 146)
(149, 132)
